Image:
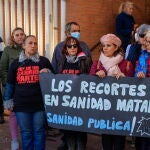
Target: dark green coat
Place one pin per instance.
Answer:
(8, 56)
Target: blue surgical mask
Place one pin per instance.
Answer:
(76, 35)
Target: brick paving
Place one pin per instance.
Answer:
(52, 141)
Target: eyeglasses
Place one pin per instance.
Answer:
(72, 46)
(141, 35)
(147, 42)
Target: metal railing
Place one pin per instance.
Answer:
(94, 46)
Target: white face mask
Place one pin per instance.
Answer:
(76, 35)
(136, 37)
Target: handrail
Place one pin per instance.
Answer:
(95, 46)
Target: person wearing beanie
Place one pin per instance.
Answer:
(112, 38)
(111, 63)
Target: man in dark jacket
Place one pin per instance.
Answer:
(71, 29)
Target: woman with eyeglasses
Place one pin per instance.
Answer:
(74, 62)
(142, 71)
(132, 54)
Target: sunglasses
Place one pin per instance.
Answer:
(141, 35)
(72, 46)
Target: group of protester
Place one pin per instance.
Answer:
(20, 66)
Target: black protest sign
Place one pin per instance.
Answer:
(90, 104)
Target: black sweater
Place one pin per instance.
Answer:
(25, 78)
(82, 66)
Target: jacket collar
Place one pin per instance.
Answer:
(35, 58)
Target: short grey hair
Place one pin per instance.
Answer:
(143, 29)
(68, 26)
(147, 33)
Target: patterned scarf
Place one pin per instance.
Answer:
(35, 58)
(74, 59)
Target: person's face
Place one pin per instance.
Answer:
(141, 40)
(72, 48)
(109, 49)
(30, 46)
(147, 43)
(128, 9)
(74, 28)
(18, 36)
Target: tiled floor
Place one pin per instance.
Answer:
(52, 141)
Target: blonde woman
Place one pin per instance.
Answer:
(11, 52)
(125, 23)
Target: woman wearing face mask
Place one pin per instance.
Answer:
(11, 52)
(74, 62)
(125, 23)
(23, 94)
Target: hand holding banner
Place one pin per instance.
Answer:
(90, 104)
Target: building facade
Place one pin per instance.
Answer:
(46, 19)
